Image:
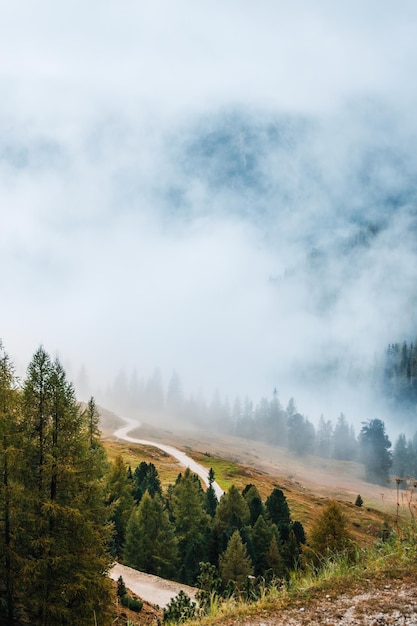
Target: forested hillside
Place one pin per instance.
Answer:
(399, 376)
(66, 512)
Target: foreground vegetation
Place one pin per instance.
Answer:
(347, 572)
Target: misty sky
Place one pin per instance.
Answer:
(227, 189)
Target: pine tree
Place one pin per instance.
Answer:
(301, 434)
(256, 507)
(261, 536)
(344, 441)
(324, 438)
(359, 500)
(191, 521)
(146, 478)
(211, 501)
(150, 542)
(279, 512)
(273, 560)
(299, 533)
(290, 550)
(188, 507)
(174, 396)
(401, 465)
(121, 502)
(277, 428)
(235, 564)
(232, 512)
(375, 451)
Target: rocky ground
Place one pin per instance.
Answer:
(382, 602)
(379, 603)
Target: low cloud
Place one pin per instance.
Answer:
(229, 193)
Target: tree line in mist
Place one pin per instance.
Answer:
(399, 375)
(395, 378)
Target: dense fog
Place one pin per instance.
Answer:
(225, 193)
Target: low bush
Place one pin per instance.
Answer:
(180, 609)
(131, 603)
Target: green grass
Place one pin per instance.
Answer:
(134, 454)
(227, 473)
(395, 559)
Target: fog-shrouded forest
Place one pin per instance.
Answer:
(240, 209)
(271, 258)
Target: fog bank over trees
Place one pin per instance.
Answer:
(239, 206)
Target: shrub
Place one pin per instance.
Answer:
(131, 603)
(180, 609)
(121, 587)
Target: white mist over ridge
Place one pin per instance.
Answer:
(237, 203)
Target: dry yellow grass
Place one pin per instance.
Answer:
(307, 483)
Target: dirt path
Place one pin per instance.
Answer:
(186, 461)
(153, 589)
(150, 588)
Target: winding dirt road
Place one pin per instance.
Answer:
(153, 589)
(186, 461)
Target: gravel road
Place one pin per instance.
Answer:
(186, 461)
(150, 588)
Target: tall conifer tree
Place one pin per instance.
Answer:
(150, 542)
(9, 496)
(65, 540)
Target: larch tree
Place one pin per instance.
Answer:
(9, 492)
(64, 544)
(329, 533)
(235, 564)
